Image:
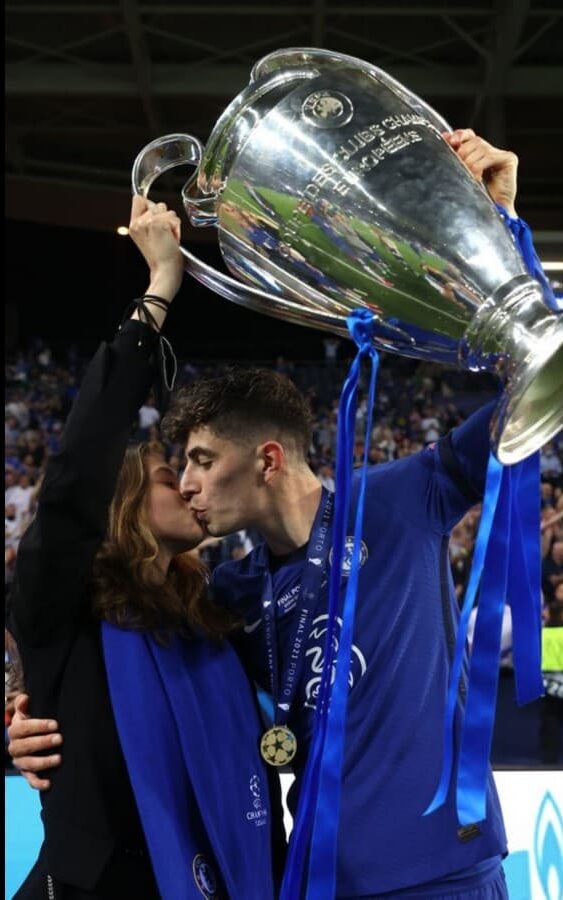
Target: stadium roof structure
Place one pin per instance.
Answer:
(89, 83)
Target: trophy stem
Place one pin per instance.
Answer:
(516, 336)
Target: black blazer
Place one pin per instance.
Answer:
(90, 809)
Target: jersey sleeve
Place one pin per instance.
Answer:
(437, 486)
(523, 239)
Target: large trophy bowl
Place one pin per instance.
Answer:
(331, 188)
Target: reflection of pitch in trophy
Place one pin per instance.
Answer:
(332, 189)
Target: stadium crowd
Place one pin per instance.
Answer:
(417, 403)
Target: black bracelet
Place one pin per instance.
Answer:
(158, 301)
(139, 304)
(145, 315)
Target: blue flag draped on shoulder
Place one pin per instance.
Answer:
(189, 731)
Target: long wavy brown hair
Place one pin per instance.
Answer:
(126, 591)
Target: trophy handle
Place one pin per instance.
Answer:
(172, 150)
(303, 57)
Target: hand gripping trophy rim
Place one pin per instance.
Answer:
(202, 191)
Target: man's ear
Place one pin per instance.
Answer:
(271, 458)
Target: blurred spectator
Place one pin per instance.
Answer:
(19, 492)
(505, 636)
(11, 430)
(12, 525)
(331, 345)
(12, 535)
(550, 463)
(430, 425)
(552, 571)
(283, 366)
(551, 710)
(214, 551)
(325, 474)
(547, 495)
(18, 409)
(149, 416)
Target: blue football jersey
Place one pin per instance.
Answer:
(403, 646)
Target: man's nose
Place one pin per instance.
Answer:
(188, 486)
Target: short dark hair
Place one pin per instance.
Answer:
(240, 404)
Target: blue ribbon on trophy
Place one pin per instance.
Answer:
(522, 235)
(506, 564)
(317, 818)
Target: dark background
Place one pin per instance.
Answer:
(68, 285)
(89, 84)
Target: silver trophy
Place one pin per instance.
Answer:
(331, 189)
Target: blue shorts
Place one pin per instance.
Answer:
(490, 885)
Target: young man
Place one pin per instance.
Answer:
(247, 436)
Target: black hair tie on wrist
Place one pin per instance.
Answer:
(164, 386)
(157, 301)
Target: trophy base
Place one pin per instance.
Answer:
(530, 412)
(517, 337)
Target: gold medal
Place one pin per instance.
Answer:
(278, 745)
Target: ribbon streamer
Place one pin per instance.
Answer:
(507, 558)
(320, 792)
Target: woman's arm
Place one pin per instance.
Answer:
(56, 553)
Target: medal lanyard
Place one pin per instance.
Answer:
(313, 569)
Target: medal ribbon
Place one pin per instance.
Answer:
(313, 569)
(319, 800)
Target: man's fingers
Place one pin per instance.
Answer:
(459, 136)
(463, 134)
(471, 145)
(37, 763)
(40, 784)
(477, 160)
(23, 728)
(27, 746)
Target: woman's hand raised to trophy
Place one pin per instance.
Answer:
(156, 231)
(497, 169)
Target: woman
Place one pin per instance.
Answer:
(115, 634)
